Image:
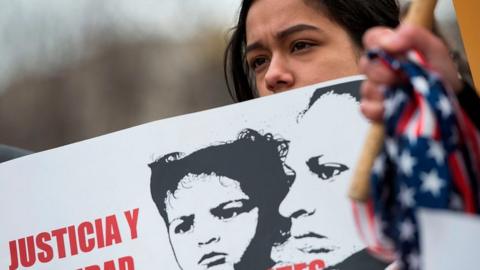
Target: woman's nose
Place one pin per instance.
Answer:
(279, 77)
(295, 205)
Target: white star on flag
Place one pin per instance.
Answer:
(406, 163)
(421, 84)
(392, 148)
(406, 196)
(435, 151)
(400, 97)
(389, 106)
(414, 261)
(406, 230)
(431, 182)
(444, 106)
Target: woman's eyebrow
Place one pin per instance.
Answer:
(254, 46)
(295, 29)
(283, 34)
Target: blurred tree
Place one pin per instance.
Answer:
(121, 84)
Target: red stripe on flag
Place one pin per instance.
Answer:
(436, 133)
(372, 241)
(421, 59)
(356, 217)
(377, 246)
(371, 220)
(420, 127)
(405, 118)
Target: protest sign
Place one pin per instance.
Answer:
(256, 185)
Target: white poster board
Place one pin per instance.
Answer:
(278, 201)
(449, 240)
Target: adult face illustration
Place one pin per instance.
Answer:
(323, 157)
(211, 222)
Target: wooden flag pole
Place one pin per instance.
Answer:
(420, 14)
(466, 11)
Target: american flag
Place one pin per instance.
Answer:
(430, 158)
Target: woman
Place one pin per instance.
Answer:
(281, 45)
(324, 41)
(220, 203)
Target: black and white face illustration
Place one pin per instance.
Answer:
(220, 203)
(211, 222)
(323, 158)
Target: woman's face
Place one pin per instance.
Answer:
(323, 156)
(291, 44)
(211, 222)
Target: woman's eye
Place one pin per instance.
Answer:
(185, 225)
(231, 209)
(327, 170)
(258, 62)
(301, 45)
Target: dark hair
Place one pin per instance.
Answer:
(355, 16)
(347, 88)
(257, 162)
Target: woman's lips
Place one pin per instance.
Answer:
(212, 259)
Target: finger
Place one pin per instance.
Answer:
(409, 36)
(372, 38)
(372, 110)
(372, 91)
(377, 72)
(433, 48)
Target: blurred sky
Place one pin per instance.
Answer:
(39, 34)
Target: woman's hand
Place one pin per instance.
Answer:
(396, 41)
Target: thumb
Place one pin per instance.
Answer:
(409, 36)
